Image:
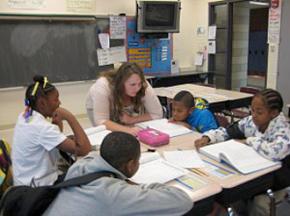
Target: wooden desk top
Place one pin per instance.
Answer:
(212, 95)
(186, 142)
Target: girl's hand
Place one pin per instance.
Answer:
(201, 142)
(57, 120)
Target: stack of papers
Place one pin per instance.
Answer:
(155, 169)
(184, 158)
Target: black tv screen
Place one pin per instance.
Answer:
(158, 16)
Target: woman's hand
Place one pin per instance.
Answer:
(133, 130)
(201, 142)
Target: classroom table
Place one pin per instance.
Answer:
(219, 99)
(202, 197)
(235, 186)
(168, 79)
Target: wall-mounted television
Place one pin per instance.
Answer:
(158, 16)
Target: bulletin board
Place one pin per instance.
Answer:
(153, 54)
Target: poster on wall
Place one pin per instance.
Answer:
(26, 4)
(152, 54)
(81, 6)
(274, 22)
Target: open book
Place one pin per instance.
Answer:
(155, 169)
(164, 126)
(97, 134)
(238, 155)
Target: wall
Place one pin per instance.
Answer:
(283, 72)
(240, 45)
(186, 43)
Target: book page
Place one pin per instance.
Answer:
(149, 156)
(184, 158)
(166, 127)
(157, 171)
(97, 134)
(240, 156)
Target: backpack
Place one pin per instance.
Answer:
(32, 201)
(5, 167)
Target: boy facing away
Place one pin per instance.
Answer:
(185, 112)
(119, 154)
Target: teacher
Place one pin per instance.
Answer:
(120, 98)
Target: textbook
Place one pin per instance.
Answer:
(164, 126)
(97, 134)
(238, 155)
(155, 169)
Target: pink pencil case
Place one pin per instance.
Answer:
(153, 137)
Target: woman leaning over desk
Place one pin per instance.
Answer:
(121, 98)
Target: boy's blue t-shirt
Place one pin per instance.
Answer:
(201, 120)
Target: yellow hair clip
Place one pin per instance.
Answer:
(45, 81)
(35, 89)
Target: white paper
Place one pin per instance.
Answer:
(166, 127)
(149, 156)
(96, 135)
(118, 27)
(111, 55)
(104, 40)
(27, 4)
(157, 171)
(211, 32)
(198, 59)
(184, 158)
(211, 47)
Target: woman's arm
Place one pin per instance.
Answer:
(113, 126)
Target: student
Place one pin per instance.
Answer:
(185, 112)
(266, 130)
(36, 140)
(119, 154)
(121, 98)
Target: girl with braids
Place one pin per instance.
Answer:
(266, 130)
(121, 98)
(36, 140)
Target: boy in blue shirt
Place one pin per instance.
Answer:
(187, 113)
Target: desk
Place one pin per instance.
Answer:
(164, 80)
(234, 187)
(219, 99)
(202, 197)
(238, 186)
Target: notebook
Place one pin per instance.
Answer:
(241, 157)
(97, 134)
(155, 169)
(164, 126)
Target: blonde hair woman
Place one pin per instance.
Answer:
(121, 98)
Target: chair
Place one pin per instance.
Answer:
(243, 111)
(221, 119)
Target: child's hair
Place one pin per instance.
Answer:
(118, 148)
(186, 98)
(40, 87)
(272, 99)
